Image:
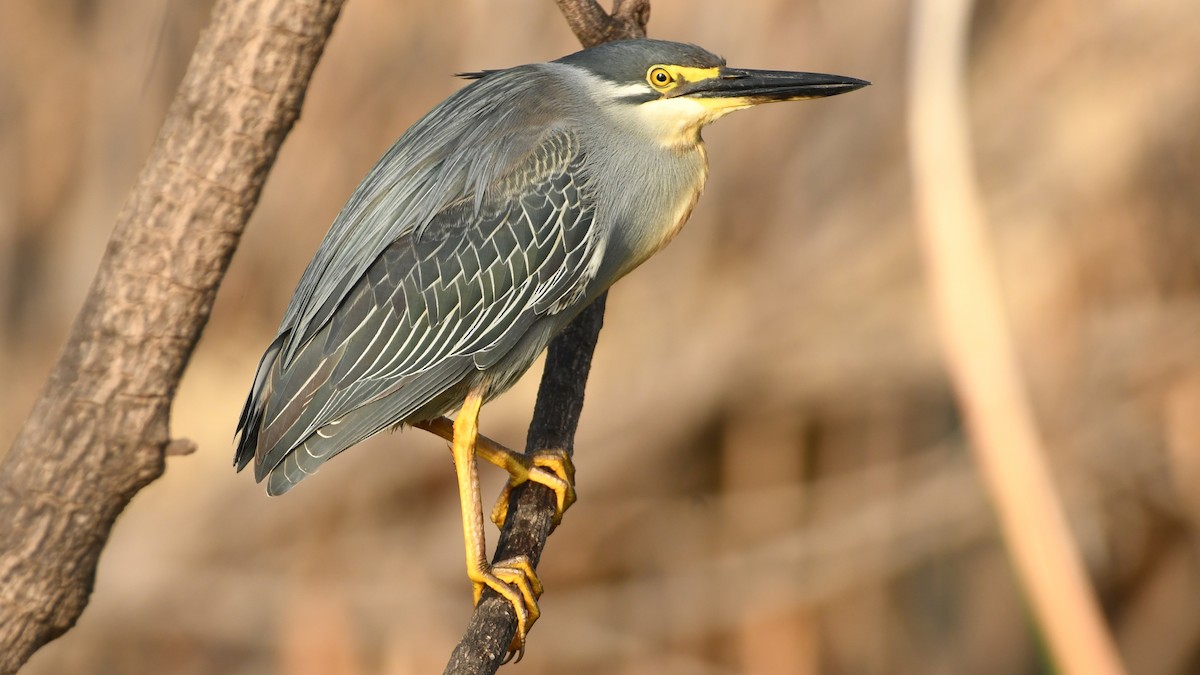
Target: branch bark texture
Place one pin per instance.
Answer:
(99, 432)
(559, 402)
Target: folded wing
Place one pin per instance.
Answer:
(437, 304)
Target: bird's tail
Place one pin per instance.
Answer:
(250, 422)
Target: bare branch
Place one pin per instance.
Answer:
(559, 403)
(99, 432)
(531, 506)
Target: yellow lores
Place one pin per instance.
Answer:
(677, 120)
(667, 77)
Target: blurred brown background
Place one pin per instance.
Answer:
(772, 472)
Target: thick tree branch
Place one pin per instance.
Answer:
(559, 402)
(99, 432)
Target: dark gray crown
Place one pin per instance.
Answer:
(628, 60)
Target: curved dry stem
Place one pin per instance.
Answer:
(979, 349)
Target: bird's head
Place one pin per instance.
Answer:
(672, 90)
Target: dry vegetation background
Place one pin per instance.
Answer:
(772, 472)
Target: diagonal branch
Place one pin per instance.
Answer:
(559, 402)
(99, 432)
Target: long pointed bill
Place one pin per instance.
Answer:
(751, 87)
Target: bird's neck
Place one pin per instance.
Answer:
(689, 196)
(655, 196)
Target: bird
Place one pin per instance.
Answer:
(476, 238)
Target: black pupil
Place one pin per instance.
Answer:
(660, 77)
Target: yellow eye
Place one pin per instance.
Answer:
(659, 76)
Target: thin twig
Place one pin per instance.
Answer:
(979, 350)
(559, 403)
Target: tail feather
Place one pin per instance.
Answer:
(250, 422)
(330, 439)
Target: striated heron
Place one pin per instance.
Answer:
(476, 238)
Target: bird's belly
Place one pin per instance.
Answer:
(509, 369)
(499, 377)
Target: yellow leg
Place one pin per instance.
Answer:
(514, 579)
(552, 468)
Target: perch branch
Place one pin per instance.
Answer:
(559, 402)
(99, 432)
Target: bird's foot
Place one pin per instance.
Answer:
(552, 468)
(516, 581)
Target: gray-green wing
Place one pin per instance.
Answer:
(457, 151)
(431, 310)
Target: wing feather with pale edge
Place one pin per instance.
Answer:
(435, 305)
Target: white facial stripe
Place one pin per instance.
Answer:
(618, 91)
(665, 112)
(677, 121)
